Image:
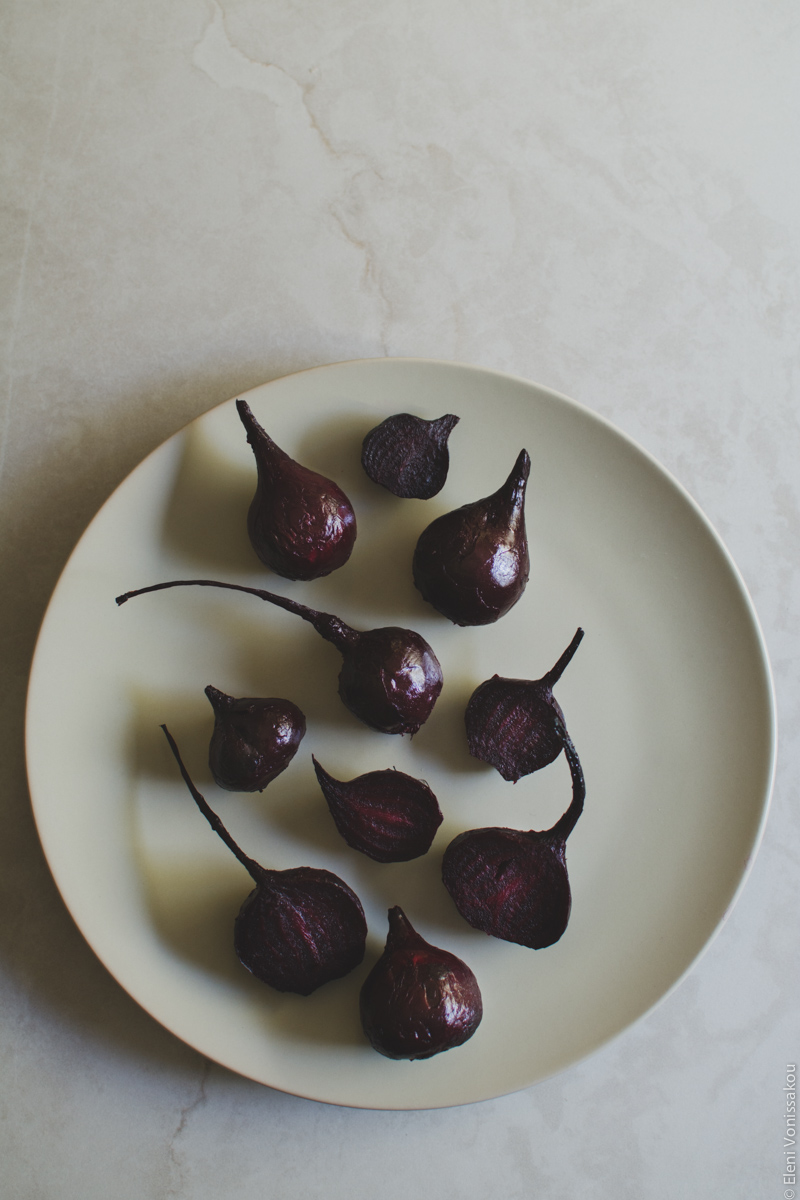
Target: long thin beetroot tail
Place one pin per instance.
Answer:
(566, 823)
(255, 869)
(554, 674)
(327, 625)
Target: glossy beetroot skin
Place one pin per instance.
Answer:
(387, 815)
(472, 563)
(301, 525)
(418, 1000)
(254, 739)
(513, 884)
(298, 929)
(408, 455)
(513, 723)
(390, 677)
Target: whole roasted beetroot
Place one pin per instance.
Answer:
(418, 1000)
(472, 563)
(390, 677)
(300, 523)
(299, 928)
(254, 739)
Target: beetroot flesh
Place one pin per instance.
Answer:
(408, 455)
(301, 524)
(390, 677)
(472, 564)
(298, 928)
(418, 1000)
(387, 815)
(254, 739)
(512, 724)
(514, 884)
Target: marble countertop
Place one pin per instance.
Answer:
(602, 198)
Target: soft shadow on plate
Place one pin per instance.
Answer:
(193, 912)
(205, 520)
(148, 753)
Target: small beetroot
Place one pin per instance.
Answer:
(512, 723)
(472, 564)
(418, 1000)
(254, 739)
(387, 815)
(300, 523)
(298, 928)
(390, 677)
(514, 884)
(408, 455)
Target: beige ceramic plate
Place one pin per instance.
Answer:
(668, 700)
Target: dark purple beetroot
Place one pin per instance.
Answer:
(254, 739)
(301, 524)
(514, 885)
(418, 1000)
(387, 815)
(298, 928)
(409, 455)
(472, 563)
(390, 678)
(513, 723)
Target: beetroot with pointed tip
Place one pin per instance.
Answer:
(514, 884)
(388, 815)
(254, 739)
(300, 523)
(390, 677)
(418, 1000)
(299, 928)
(472, 563)
(408, 455)
(512, 723)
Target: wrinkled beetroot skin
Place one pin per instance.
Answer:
(390, 679)
(513, 724)
(387, 815)
(472, 564)
(513, 884)
(300, 523)
(254, 739)
(299, 929)
(408, 455)
(418, 1000)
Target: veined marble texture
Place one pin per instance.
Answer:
(198, 197)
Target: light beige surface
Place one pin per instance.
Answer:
(600, 197)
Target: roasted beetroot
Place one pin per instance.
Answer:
(514, 884)
(298, 928)
(301, 524)
(254, 739)
(408, 455)
(418, 1000)
(512, 723)
(387, 815)
(472, 563)
(390, 677)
